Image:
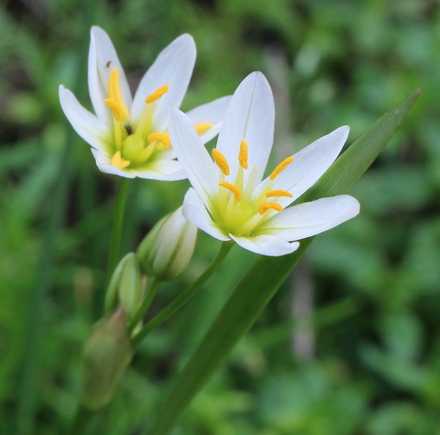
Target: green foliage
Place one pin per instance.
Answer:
(364, 357)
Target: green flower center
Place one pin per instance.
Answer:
(237, 209)
(134, 145)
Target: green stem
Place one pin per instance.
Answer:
(183, 297)
(151, 292)
(115, 243)
(81, 420)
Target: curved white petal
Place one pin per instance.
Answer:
(311, 218)
(97, 90)
(164, 169)
(193, 156)
(87, 125)
(310, 164)
(195, 212)
(266, 244)
(103, 162)
(212, 112)
(102, 60)
(250, 116)
(173, 67)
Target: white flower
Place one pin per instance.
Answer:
(230, 199)
(129, 136)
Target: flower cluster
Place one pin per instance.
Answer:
(230, 199)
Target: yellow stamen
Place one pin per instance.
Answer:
(265, 206)
(281, 167)
(114, 106)
(234, 189)
(115, 100)
(273, 193)
(118, 161)
(202, 127)
(243, 155)
(163, 138)
(157, 94)
(220, 161)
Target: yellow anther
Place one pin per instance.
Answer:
(118, 161)
(244, 154)
(157, 94)
(116, 110)
(220, 161)
(281, 167)
(234, 189)
(115, 100)
(268, 205)
(163, 138)
(202, 127)
(280, 192)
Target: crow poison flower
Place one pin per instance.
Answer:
(230, 199)
(129, 136)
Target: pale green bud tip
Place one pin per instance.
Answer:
(167, 250)
(106, 355)
(126, 287)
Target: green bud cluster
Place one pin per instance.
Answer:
(163, 254)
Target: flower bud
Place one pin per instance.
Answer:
(106, 355)
(125, 287)
(167, 250)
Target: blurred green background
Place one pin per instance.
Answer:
(351, 343)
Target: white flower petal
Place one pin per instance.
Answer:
(212, 112)
(97, 90)
(310, 164)
(266, 244)
(103, 162)
(250, 116)
(173, 67)
(165, 170)
(195, 212)
(311, 218)
(193, 156)
(87, 125)
(102, 60)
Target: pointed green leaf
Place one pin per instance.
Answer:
(266, 275)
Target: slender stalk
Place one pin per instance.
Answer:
(81, 420)
(115, 242)
(185, 296)
(151, 292)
